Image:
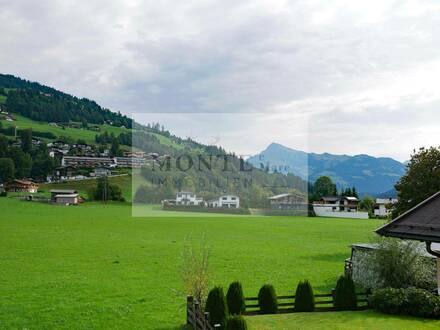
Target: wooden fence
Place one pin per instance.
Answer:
(195, 316)
(323, 303)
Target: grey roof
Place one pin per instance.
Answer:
(66, 195)
(63, 191)
(331, 198)
(422, 222)
(420, 248)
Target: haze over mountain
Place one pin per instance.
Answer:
(368, 174)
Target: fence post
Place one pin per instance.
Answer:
(206, 321)
(189, 307)
(333, 296)
(196, 313)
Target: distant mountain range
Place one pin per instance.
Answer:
(370, 175)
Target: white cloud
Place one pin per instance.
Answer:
(337, 62)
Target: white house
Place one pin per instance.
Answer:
(187, 198)
(382, 206)
(338, 207)
(227, 201)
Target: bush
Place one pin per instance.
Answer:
(216, 306)
(304, 300)
(267, 300)
(345, 294)
(410, 301)
(235, 299)
(236, 322)
(3, 194)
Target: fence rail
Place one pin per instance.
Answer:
(324, 302)
(196, 317)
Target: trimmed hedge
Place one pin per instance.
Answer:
(267, 300)
(410, 301)
(235, 299)
(304, 299)
(345, 294)
(236, 322)
(216, 306)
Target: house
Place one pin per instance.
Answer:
(188, 198)
(382, 206)
(338, 207)
(421, 223)
(130, 162)
(226, 201)
(134, 154)
(61, 173)
(87, 161)
(287, 201)
(21, 186)
(54, 193)
(101, 171)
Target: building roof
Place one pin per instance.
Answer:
(285, 195)
(351, 198)
(66, 196)
(422, 222)
(331, 198)
(22, 182)
(419, 248)
(63, 191)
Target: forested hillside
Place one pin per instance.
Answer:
(43, 103)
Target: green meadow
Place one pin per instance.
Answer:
(95, 267)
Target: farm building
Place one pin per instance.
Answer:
(421, 223)
(59, 192)
(21, 186)
(226, 201)
(287, 201)
(66, 199)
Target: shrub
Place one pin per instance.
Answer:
(3, 194)
(267, 300)
(304, 300)
(235, 299)
(236, 322)
(216, 306)
(345, 294)
(410, 301)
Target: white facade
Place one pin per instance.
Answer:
(380, 207)
(339, 207)
(227, 201)
(187, 198)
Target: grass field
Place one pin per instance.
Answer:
(94, 266)
(75, 133)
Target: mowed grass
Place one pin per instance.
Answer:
(340, 321)
(94, 266)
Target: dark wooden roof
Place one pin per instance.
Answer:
(421, 223)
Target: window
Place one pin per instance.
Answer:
(224, 198)
(233, 198)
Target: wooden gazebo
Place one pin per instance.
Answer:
(421, 223)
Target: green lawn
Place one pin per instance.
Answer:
(94, 266)
(75, 133)
(340, 321)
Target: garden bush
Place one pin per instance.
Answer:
(304, 300)
(267, 300)
(345, 294)
(216, 306)
(3, 194)
(236, 322)
(235, 299)
(409, 301)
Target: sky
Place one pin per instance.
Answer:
(364, 75)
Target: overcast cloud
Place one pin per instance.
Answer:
(365, 73)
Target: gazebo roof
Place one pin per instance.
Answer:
(421, 223)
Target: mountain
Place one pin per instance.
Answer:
(368, 174)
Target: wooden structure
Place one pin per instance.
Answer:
(67, 199)
(421, 223)
(57, 192)
(196, 318)
(324, 302)
(21, 186)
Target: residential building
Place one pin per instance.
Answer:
(88, 161)
(134, 154)
(383, 206)
(188, 198)
(288, 201)
(226, 201)
(102, 171)
(130, 162)
(21, 186)
(338, 207)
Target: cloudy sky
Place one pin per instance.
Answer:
(366, 74)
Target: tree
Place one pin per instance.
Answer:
(235, 299)
(106, 192)
(324, 186)
(367, 204)
(421, 180)
(216, 306)
(6, 169)
(304, 299)
(114, 150)
(345, 294)
(26, 140)
(267, 300)
(3, 146)
(22, 162)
